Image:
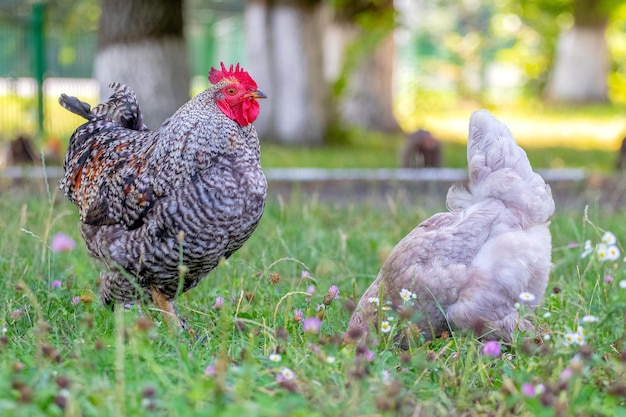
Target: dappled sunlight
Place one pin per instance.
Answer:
(575, 131)
(578, 133)
(532, 124)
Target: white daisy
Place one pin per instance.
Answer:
(622, 284)
(608, 238)
(385, 327)
(527, 296)
(287, 374)
(330, 359)
(546, 314)
(373, 300)
(589, 319)
(406, 294)
(275, 357)
(576, 338)
(587, 249)
(579, 339)
(612, 253)
(601, 252)
(570, 338)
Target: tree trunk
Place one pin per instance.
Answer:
(285, 58)
(581, 65)
(141, 44)
(367, 101)
(364, 84)
(580, 71)
(258, 61)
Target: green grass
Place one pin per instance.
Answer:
(586, 137)
(554, 136)
(57, 358)
(384, 152)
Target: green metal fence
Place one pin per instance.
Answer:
(34, 55)
(39, 59)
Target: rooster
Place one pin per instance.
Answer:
(161, 208)
(466, 268)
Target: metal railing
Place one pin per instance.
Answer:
(39, 59)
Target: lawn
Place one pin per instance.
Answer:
(384, 152)
(61, 353)
(554, 136)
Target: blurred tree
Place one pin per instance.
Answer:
(581, 64)
(141, 44)
(285, 54)
(459, 50)
(81, 17)
(498, 50)
(71, 37)
(472, 45)
(364, 53)
(616, 36)
(296, 48)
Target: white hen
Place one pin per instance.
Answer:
(468, 267)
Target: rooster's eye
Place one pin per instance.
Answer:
(231, 91)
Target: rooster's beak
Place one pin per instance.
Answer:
(257, 94)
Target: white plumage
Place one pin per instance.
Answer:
(469, 266)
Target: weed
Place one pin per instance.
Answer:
(270, 325)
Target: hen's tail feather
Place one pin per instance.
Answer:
(499, 168)
(491, 147)
(121, 108)
(76, 106)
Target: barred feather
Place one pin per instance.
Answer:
(198, 177)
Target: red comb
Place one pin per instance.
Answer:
(242, 76)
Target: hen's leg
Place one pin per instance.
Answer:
(169, 311)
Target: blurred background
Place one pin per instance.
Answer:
(365, 83)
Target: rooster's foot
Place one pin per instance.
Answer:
(170, 312)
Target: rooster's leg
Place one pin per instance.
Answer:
(169, 311)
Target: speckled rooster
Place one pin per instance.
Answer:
(161, 208)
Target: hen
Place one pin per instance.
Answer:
(161, 208)
(466, 268)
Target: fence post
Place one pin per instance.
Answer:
(39, 59)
